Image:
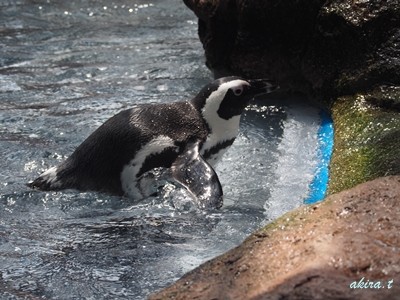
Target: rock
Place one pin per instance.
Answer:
(347, 247)
(367, 138)
(322, 48)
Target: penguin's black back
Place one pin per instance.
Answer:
(98, 162)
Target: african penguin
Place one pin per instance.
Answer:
(181, 139)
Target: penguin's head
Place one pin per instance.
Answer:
(228, 96)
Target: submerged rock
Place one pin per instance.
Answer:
(347, 247)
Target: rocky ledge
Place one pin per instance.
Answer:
(347, 247)
(319, 47)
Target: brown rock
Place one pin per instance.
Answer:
(314, 252)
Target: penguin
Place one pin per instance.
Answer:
(181, 140)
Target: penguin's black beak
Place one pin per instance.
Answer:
(262, 86)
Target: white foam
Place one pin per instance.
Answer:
(296, 164)
(7, 84)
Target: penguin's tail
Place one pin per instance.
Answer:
(47, 181)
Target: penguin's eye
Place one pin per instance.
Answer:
(237, 91)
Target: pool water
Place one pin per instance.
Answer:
(68, 66)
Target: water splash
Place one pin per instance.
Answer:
(297, 160)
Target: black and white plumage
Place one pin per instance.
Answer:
(186, 138)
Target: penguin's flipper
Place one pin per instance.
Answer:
(192, 171)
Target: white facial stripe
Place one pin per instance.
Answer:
(214, 100)
(129, 172)
(221, 129)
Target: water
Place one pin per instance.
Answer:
(65, 68)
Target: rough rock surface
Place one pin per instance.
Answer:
(367, 138)
(323, 48)
(314, 252)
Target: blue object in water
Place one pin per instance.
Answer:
(319, 184)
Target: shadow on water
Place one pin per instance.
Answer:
(65, 68)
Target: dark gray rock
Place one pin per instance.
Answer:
(322, 48)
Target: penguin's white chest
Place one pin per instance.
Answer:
(221, 136)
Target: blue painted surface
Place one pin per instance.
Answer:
(319, 185)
